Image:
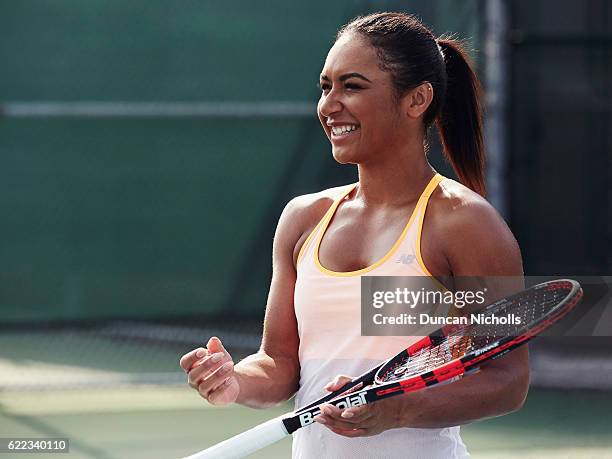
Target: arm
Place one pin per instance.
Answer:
(271, 375)
(476, 242)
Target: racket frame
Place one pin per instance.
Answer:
(368, 387)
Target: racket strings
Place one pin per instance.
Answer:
(526, 310)
(428, 358)
(512, 318)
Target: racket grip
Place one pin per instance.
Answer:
(245, 443)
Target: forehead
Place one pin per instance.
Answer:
(351, 53)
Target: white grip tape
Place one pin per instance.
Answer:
(245, 443)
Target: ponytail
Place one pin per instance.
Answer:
(459, 120)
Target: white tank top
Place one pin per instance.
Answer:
(327, 308)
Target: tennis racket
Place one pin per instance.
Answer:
(445, 354)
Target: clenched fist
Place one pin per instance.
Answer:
(210, 371)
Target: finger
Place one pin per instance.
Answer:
(351, 416)
(335, 424)
(352, 433)
(215, 345)
(225, 393)
(215, 379)
(335, 421)
(337, 383)
(191, 357)
(357, 414)
(338, 414)
(204, 368)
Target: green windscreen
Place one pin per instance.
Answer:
(154, 216)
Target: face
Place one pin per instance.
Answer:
(358, 109)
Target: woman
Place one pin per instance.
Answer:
(385, 81)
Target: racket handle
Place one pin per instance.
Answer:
(366, 379)
(245, 443)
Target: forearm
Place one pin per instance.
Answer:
(489, 393)
(266, 381)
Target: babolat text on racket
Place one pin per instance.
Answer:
(445, 354)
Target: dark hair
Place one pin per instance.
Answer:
(412, 54)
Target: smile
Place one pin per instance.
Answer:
(344, 130)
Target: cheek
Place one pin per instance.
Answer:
(375, 132)
(383, 126)
(322, 120)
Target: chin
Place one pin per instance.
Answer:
(343, 156)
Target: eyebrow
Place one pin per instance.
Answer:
(346, 76)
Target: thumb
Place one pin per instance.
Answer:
(215, 345)
(337, 383)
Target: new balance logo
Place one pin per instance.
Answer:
(406, 259)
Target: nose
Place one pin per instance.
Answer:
(329, 104)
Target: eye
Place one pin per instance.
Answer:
(324, 86)
(352, 87)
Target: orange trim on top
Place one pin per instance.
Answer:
(424, 196)
(430, 188)
(313, 232)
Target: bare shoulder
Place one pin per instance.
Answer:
(474, 238)
(302, 211)
(301, 215)
(454, 203)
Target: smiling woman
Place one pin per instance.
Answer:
(385, 81)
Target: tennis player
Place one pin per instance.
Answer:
(385, 81)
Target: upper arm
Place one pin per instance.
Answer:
(479, 247)
(280, 335)
(479, 243)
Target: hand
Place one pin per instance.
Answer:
(359, 421)
(210, 371)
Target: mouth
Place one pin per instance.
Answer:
(343, 132)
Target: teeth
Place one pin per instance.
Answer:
(339, 130)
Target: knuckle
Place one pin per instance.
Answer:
(195, 383)
(187, 359)
(206, 365)
(226, 368)
(214, 371)
(214, 395)
(203, 390)
(207, 386)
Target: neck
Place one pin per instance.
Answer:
(395, 179)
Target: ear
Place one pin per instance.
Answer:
(418, 100)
